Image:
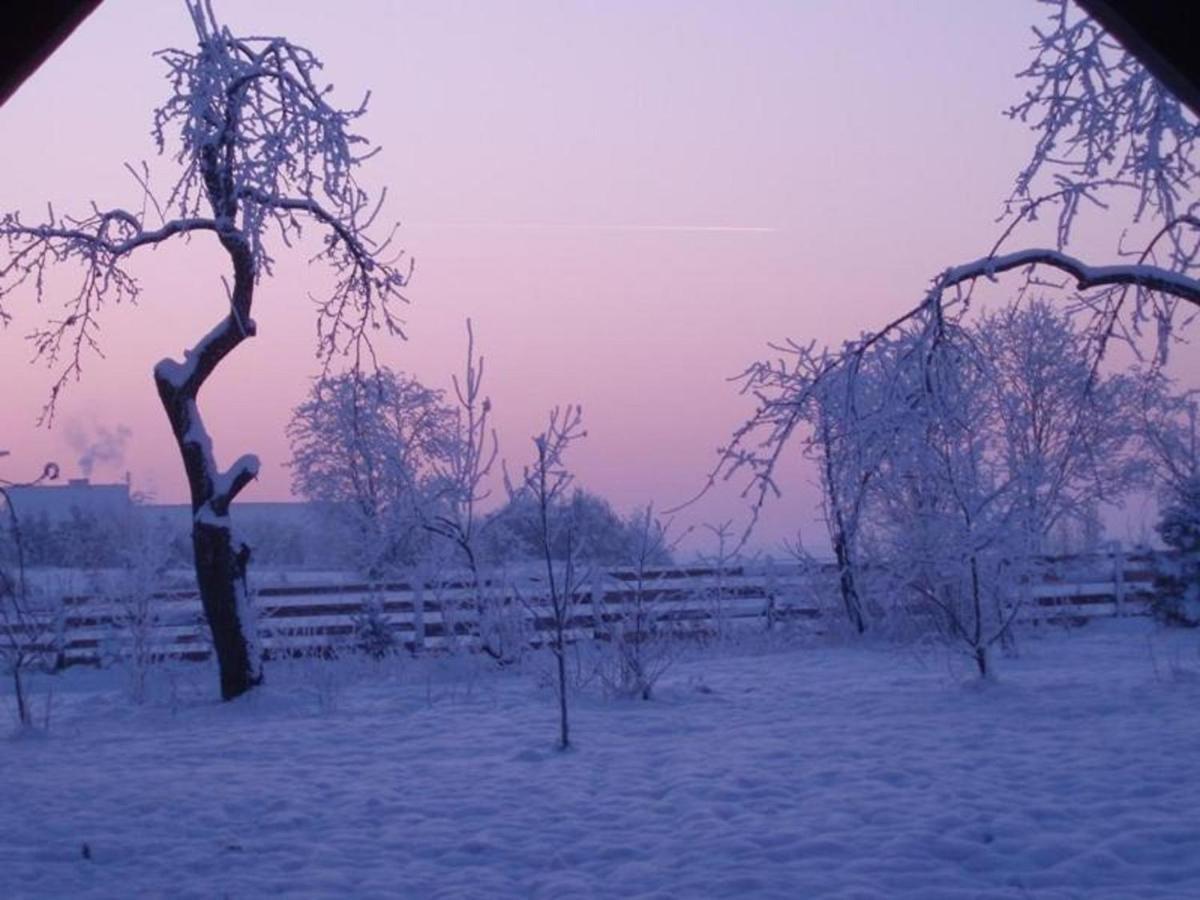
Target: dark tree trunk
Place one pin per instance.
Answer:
(981, 660)
(23, 714)
(841, 541)
(980, 645)
(847, 585)
(560, 654)
(221, 575)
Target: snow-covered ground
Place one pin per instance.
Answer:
(817, 771)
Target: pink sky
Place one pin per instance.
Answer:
(817, 161)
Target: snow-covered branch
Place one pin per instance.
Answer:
(92, 235)
(230, 483)
(1144, 277)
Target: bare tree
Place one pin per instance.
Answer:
(545, 480)
(261, 149)
(463, 474)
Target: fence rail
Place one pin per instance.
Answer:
(433, 614)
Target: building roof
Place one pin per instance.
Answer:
(62, 501)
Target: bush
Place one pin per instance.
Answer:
(1177, 587)
(374, 635)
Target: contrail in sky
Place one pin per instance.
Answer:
(558, 226)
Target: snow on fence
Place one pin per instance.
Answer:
(434, 615)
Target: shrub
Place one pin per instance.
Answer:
(1177, 585)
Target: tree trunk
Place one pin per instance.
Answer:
(841, 542)
(221, 575)
(564, 730)
(23, 714)
(847, 585)
(981, 660)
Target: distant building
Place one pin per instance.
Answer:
(56, 503)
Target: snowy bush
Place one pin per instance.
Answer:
(505, 631)
(374, 633)
(640, 640)
(1177, 587)
(604, 537)
(131, 593)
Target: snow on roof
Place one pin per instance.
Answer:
(60, 501)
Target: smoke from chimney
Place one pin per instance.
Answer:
(97, 446)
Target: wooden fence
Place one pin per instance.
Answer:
(437, 614)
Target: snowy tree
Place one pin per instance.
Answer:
(1109, 137)
(1067, 432)
(844, 420)
(27, 619)
(948, 508)
(261, 150)
(371, 449)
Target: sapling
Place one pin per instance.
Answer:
(545, 480)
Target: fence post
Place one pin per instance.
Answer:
(418, 605)
(598, 623)
(60, 635)
(772, 592)
(1118, 562)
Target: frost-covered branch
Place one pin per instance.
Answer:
(1142, 277)
(1102, 118)
(99, 245)
(230, 483)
